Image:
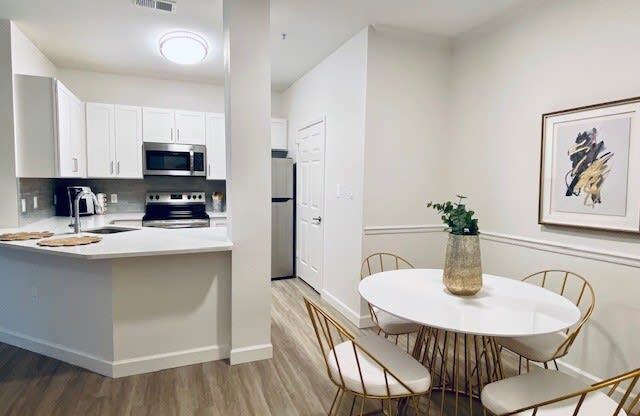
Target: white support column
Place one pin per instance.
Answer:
(248, 121)
(8, 180)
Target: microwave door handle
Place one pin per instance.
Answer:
(191, 162)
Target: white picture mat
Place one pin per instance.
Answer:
(629, 222)
(614, 131)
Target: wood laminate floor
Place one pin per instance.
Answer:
(294, 382)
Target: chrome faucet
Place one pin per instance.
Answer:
(76, 209)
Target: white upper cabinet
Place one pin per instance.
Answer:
(190, 127)
(50, 129)
(279, 134)
(216, 147)
(114, 147)
(158, 125)
(71, 134)
(128, 141)
(101, 152)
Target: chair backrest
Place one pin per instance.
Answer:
(330, 333)
(624, 385)
(380, 262)
(573, 287)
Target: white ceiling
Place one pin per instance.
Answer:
(116, 36)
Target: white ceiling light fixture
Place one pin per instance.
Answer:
(184, 48)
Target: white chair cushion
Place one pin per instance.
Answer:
(405, 367)
(515, 393)
(393, 325)
(541, 348)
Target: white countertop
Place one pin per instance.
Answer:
(143, 241)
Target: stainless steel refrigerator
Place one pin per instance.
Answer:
(282, 218)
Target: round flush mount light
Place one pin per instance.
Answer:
(184, 48)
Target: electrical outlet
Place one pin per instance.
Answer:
(23, 205)
(35, 202)
(114, 198)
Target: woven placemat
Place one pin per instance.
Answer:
(25, 236)
(69, 241)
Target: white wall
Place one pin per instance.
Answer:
(8, 181)
(553, 56)
(27, 58)
(336, 88)
(406, 143)
(152, 92)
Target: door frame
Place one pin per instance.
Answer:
(313, 121)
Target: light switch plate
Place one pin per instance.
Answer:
(114, 198)
(23, 205)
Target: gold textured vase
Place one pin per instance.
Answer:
(462, 267)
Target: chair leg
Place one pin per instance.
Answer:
(556, 364)
(333, 403)
(339, 402)
(519, 364)
(528, 369)
(546, 366)
(361, 407)
(353, 404)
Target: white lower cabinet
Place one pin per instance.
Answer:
(216, 147)
(114, 141)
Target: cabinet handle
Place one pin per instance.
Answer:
(209, 169)
(111, 167)
(118, 168)
(171, 133)
(75, 164)
(178, 134)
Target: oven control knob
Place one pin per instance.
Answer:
(199, 196)
(157, 197)
(188, 196)
(150, 196)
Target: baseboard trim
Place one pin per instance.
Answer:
(118, 368)
(57, 351)
(403, 229)
(361, 321)
(157, 362)
(252, 353)
(565, 249)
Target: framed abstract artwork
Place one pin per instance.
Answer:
(590, 167)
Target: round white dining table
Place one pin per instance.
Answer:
(457, 340)
(503, 308)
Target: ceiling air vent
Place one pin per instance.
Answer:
(164, 5)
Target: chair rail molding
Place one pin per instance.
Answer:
(574, 250)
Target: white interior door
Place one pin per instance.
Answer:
(310, 204)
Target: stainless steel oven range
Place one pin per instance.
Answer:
(176, 210)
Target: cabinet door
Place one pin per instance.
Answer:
(78, 137)
(100, 140)
(216, 147)
(128, 141)
(279, 134)
(190, 127)
(158, 125)
(70, 142)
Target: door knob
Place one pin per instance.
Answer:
(317, 220)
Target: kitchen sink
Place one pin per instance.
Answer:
(110, 230)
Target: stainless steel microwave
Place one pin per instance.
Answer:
(170, 159)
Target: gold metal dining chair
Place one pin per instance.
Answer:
(548, 348)
(389, 325)
(553, 393)
(367, 367)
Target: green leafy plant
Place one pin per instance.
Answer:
(456, 216)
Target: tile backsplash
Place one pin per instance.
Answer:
(131, 192)
(43, 189)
